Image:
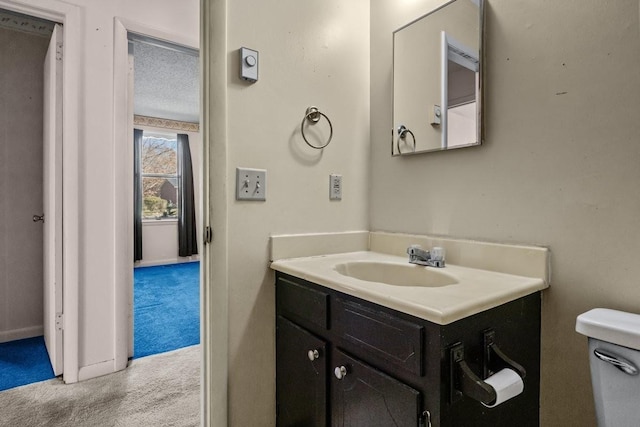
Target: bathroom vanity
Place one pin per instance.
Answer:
(344, 361)
(351, 351)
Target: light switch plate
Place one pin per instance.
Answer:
(335, 187)
(251, 184)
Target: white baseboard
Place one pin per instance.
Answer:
(22, 333)
(180, 260)
(96, 370)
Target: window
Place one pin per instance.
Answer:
(160, 185)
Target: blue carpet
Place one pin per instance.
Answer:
(166, 317)
(166, 301)
(24, 362)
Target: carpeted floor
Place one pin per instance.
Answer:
(24, 362)
(160, 390)
(166, 318)
(166, 308)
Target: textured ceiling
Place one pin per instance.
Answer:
(166, 82)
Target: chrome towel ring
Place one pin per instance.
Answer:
(313, 116)
(402, 135)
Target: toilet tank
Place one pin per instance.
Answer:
(614, 357)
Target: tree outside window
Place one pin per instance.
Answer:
(159, 157)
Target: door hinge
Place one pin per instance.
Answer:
(59, 51)
(59, 321)
(208, 235)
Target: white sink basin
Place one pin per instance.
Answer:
(396, 274)
(440, 295)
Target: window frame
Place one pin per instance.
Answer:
(171, 136)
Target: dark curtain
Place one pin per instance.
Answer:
(187, 241)
(137, 195)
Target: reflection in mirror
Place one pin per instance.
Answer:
(461, 71)
(437, 78)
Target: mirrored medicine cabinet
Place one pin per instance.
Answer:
(437, 80)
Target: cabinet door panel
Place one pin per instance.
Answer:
(366, 397)
(301, 383)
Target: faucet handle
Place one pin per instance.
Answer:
(411, 248)
(437, 253)
(416, 250)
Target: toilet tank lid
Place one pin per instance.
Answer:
(617, 327)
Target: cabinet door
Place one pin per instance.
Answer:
(301, 377)
(366, 397)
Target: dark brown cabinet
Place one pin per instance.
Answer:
(366, 397)
(342, 361)
(302, 385)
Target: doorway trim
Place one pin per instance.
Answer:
(69, 16)
(214, 59)
(123, 165)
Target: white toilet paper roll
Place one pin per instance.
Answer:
(507, 384)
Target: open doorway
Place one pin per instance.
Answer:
(31, 190)
(166, 143)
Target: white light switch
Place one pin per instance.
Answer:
(335, 187)
(251, 184)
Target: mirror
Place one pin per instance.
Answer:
(437, 80)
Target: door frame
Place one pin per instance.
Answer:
(123, 134)
(69, 16)
(215, 57)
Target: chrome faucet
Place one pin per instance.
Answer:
(419, 256)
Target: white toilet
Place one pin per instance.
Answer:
(614, 356)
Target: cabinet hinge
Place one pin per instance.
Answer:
(59, 51)
(59, 321)
(208, 235)
(425, 419)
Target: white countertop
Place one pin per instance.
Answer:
(476, 291)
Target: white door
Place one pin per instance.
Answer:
(52, 147)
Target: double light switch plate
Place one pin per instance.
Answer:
(251, 184)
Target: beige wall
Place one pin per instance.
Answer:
(559, 166)
(21, 85)
(311, 53)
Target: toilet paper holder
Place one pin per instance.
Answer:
(463, 381)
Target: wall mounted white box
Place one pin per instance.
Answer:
(249, 65)
(335, 187)
(251, 184)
